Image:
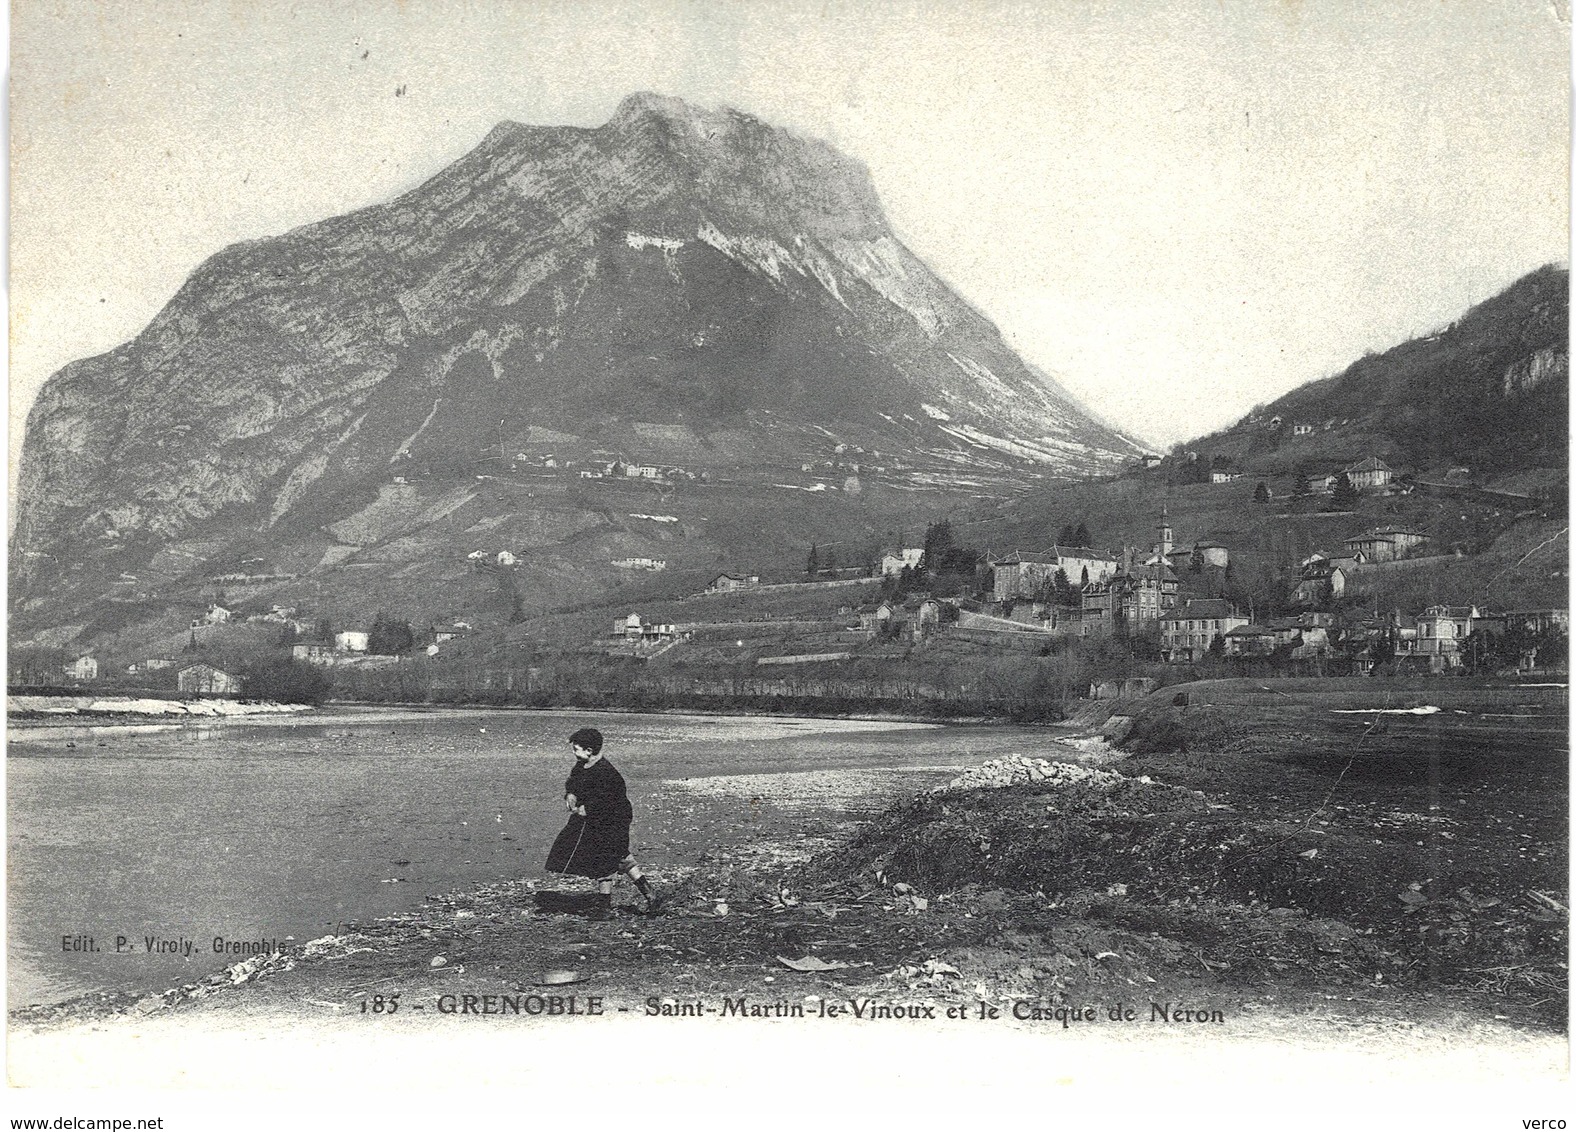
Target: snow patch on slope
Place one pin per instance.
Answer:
(985, 377)
(761, 254)
(668, 247)
(880, 264)
(963, 435)
(1059, 453)
(752, 251)
(404, 445)
(308, 472)
(820, 269)
(640, 242)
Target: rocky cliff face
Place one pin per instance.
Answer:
(677, 286)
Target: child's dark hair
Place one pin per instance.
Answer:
(589, 738)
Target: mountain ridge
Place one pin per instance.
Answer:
(1490, 390)
(677, 269)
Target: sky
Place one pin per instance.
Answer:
(1179, 209)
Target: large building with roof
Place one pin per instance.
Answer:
(1249, 640)
(1441, 630)
(1386, 544)
(1027, 575)
(1365, 475)
(1188, 630)
(1130, 602)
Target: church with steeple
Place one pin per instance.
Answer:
(1202, 553)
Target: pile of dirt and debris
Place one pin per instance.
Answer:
(1018, 770)
(1252, 890)
(1053, 833)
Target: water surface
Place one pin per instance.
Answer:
(272, 827)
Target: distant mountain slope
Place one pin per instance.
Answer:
(1491, 391)
(677, 286)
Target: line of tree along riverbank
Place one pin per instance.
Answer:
(1021, 689)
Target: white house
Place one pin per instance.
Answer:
(1212, 553)
(351, 640)
(1441, 629)
(632, 628)
(893, 561)
(205, 679)
(1539, 620)
(83, 668)
(727, 583)
(1370, 473)
(1250, 640)
(152, 664)
(1321, 580)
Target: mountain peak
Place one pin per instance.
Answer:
(641, 109)
(679, 286)
(646, 104)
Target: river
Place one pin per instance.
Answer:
(263, 828)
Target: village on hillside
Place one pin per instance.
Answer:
(1168, 598)
(1118, 619)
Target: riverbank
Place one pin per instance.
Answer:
(1242, 898)
(797, 711)
(43, 710)
(38, 709)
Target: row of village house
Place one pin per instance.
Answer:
(1120, 595)
(349, 646)
(195, 677)
(1438, 634)
(1134, 594)
(607, 469)
(1370, 474)
(1187, 634)
(1189, 631)
(1027, 575)
(1144, 601)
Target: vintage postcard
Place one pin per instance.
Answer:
(957, 553)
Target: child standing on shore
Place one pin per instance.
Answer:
(595, 842)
